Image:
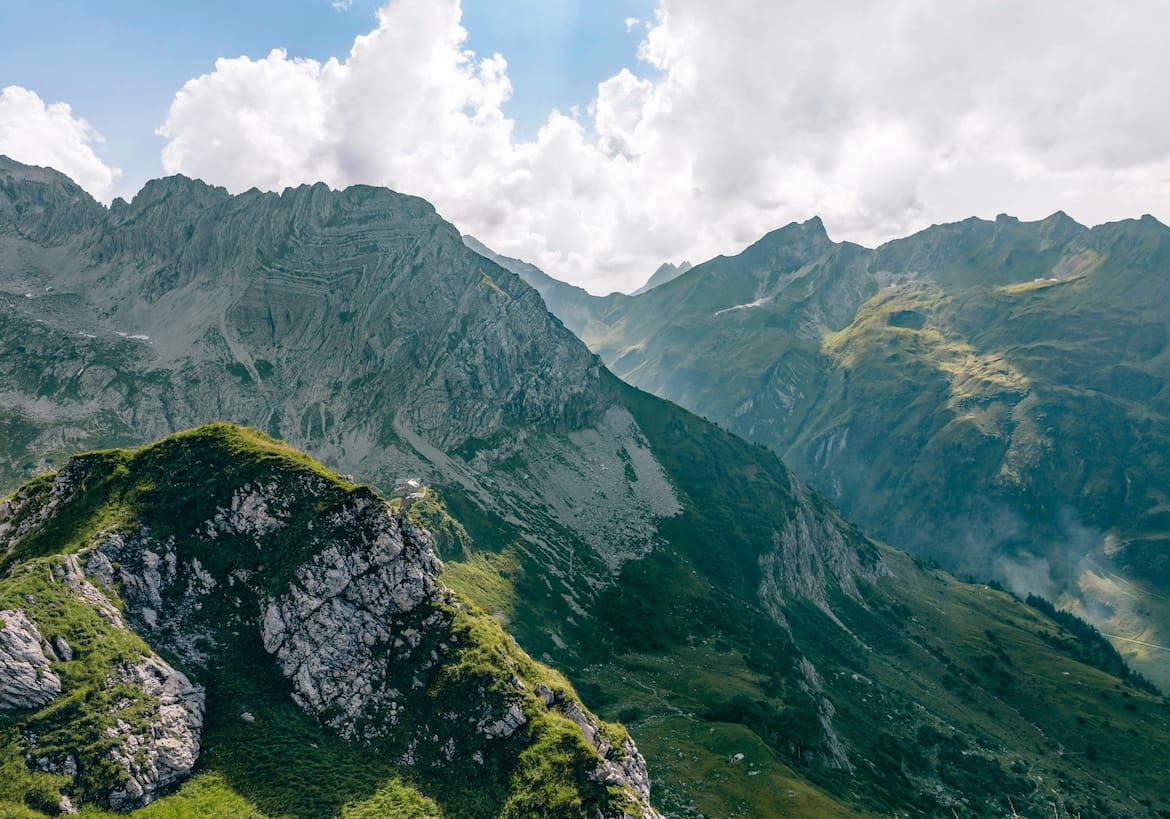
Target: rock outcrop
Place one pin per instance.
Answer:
(163, 749)
(354, 610)
(141, 714)
(26, 678)
(624, 766)
(811, 557)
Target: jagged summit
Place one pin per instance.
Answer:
(43, 204)
(667, 271)
(812, 229)
(193, 193)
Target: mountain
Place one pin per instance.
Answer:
(666, 272)
(686, 584)
(566, 296)
(573, 305)
(316, 658)
(988, 395)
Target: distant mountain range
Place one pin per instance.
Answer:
(764, 654)
(993, 396)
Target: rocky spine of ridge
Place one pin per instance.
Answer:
(363, 630)
(44, 205)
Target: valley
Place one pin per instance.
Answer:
(990, 396)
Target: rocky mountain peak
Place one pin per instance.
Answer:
(1061, 221)
(182, 192)
(260, 283)
(796, 239)
(249, 555)
(43, 204)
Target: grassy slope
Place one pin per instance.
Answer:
(1022, 418)
(940, 682)
(284, 763)
(1032, 415)
(984, 663)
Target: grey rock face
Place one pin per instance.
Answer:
(26, 678)
(69, 572)
(624, 767)
(331, 629)
(216, 283)
(165, 749)
(810, 556)
(162, 596)
(834, 755)
(155, 734)
(63, 649)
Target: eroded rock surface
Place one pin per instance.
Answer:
(26, 678)
(346, 607)
(165, 748)
(143, 714)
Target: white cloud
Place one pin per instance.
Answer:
(342, 5)
(879, 116)
(39, 134)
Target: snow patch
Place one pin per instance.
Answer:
(757, 303)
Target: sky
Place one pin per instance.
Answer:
(601, 138)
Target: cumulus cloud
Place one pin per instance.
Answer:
(39, 134)
(740, 116)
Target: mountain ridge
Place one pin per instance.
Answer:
(955, 343)
(681, 577)
(667, 271)
(272, 563)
